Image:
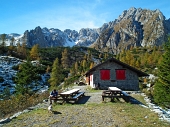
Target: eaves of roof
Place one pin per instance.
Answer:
(139, 73)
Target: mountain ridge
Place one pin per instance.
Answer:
(134, 27)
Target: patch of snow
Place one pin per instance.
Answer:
(6, 72)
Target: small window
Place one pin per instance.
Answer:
(105, 74)
(120, 74)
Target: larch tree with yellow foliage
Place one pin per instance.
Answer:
(65, 59)
(56, 74)
(34, 53)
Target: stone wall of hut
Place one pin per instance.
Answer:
(131, 81)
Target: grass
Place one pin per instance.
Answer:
(110, 114)
(92, 90)
(139, 98)
(119, 113)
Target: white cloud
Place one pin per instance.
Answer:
(71, 18)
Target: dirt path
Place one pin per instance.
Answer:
(89, 96)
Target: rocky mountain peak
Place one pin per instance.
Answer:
(134, 27)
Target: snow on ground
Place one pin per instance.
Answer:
(7, 73)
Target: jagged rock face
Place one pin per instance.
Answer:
(135, 27)
(87, 37)
(72, 34)
(47, 37)
(55, 37)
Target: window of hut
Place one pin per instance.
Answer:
(105, 74)
(120, 74)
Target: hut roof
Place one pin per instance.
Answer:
(139, 73)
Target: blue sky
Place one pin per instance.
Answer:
(17, 16)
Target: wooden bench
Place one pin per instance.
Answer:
(58, 98)
(77, 96)
(125, 96)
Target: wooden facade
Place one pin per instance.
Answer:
(114, 73)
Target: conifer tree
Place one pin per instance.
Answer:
(11, 47)
(85, 57)
(12, 41)
(3, 37)
(91, 65)
(34, 52)
(137, 64)
(145, 58)
(132, 62)
(24, 50)
(76, 67)
(3, 44)
(48, 69)
(64, 59)
(100, 55)
(131, 47)
(26, 75)
(56, 74)
(162, 86)
(18, 47)
(84, 65)
(128, 57)
(72, 71)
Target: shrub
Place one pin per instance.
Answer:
(15, 67)
(19, 103)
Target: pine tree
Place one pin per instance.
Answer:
(84, 65)
(128, 57)
(100, 55)
(64, 59)
(76, 67)
(24, 50)
(12, 41)
(91, 65)
(3, 37)
(48, 69)
(11, 47)
(85, 57)
(26, 75)
(3, 44)
(131, 47)
(56, 74)
(34, 52)
(19, 49)
(137, 64)
(162, 86)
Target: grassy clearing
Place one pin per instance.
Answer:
(139, 98)
(89, 115)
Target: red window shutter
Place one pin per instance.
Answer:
(105, 74)
(120, 74)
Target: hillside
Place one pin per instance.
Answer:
(145, 59)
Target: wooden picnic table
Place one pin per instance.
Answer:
(114, 89)
(69, 94)
(114, 92)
